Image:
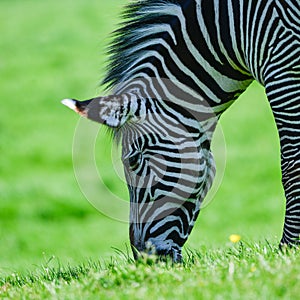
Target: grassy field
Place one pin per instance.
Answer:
(53, 50)
(240, 272)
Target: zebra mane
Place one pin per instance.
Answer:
(138, 17)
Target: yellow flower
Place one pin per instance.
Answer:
(234, 238)
(253, 269)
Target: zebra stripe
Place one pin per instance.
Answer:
(175, 67)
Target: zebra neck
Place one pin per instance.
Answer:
(173, 110)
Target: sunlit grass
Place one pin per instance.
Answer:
(244, 271)
(55, 49)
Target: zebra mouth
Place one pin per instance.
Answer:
(160, 253)
(173, 253)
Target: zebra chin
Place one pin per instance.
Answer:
(161, 252)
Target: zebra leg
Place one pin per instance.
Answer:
(290, 165)
(285, 102)
(279, 68)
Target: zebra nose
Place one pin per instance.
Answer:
(162, 253)
(174, 254)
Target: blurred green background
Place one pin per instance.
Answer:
(50, 50)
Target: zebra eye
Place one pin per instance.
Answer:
(134, 160)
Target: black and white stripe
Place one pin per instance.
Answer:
(183, 63)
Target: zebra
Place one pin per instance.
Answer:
(175, 66)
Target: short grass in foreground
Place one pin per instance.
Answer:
(53, 50)
(242, 271)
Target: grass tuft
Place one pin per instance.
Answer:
(54, 49)
(244, 270)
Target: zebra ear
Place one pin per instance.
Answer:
(113, 111)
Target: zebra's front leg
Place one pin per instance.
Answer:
(289, 133)
(290, 163)
(285, 102)
(287, 116)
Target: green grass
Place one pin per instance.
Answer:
(55, 49)
(243, 271)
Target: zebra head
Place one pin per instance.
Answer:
(167, 164)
